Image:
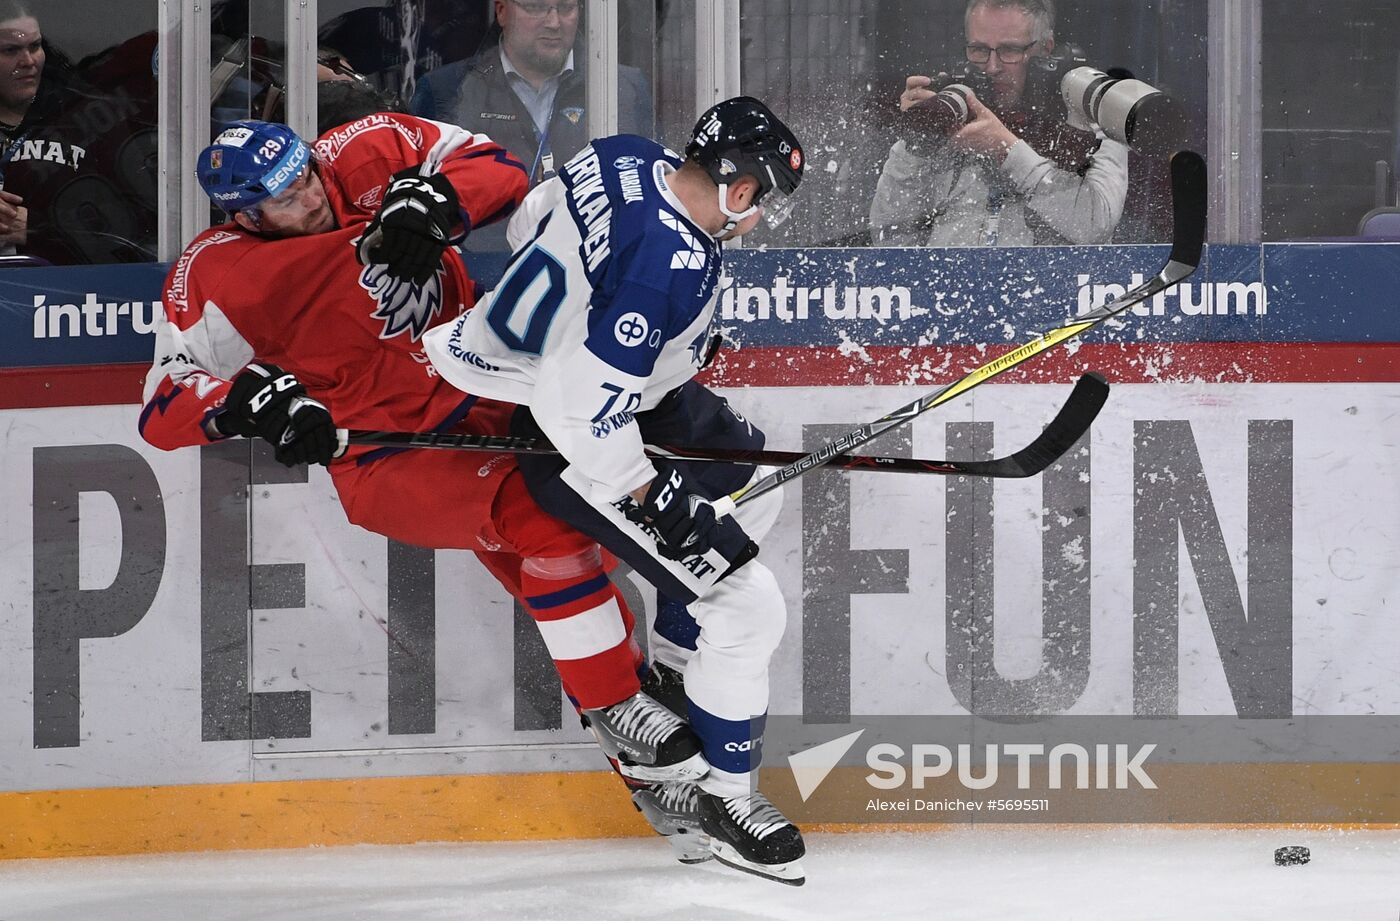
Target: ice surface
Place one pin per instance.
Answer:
(1044, 874)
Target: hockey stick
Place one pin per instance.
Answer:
(1188, 239)
(1072, 421)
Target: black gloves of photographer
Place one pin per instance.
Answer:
(413, 226)
(269, 403)
(684, 522)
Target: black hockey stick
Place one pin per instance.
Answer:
(1188, 239)
(1072, 421)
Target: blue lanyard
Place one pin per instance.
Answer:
(10, 152)
(996, 200)
(539, 151)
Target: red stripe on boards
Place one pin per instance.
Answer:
(1147, 363)
(825, 366)
(72, 385)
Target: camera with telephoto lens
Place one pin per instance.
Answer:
(944, 112)
(925, 125)
(1063, 101)
(1128, 110)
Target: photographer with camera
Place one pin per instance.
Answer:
(987, 158)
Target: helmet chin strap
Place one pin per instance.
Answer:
(734, 216)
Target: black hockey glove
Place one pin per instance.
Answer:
(413, 226)
(269, 403)
(685, 522)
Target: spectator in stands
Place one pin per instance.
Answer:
(21, 72)
(77, 145)
(1014, 174)
(527, 92)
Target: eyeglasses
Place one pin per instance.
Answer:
(566, 10)
(1007, 54)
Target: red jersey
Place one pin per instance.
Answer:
(350, 333)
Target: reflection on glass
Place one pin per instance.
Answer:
(77, 132)
(248, 76)
(395, 44)
(247, 79)
(658, 38)
(942, 122)
(1330, 116)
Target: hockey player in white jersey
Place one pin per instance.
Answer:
(602, 318)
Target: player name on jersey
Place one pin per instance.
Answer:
(588, 202)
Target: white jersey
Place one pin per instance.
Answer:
(604, 308)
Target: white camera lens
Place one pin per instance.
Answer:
(1129, 111)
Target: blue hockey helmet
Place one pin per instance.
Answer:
(249, 162)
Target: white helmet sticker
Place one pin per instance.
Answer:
(234, 137)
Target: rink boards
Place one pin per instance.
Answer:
(197, 646)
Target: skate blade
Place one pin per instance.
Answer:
(789, 874)
(692, 768)
(690, 848)
(691, 857)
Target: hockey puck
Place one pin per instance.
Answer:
(1292, 856)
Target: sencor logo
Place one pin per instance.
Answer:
(289, 170)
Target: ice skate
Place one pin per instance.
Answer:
(673, 810)
(648, 741)
(749, 833)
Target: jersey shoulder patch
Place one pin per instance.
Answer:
(690, 252)
(673, 254)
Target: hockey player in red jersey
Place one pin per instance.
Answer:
(305, 311)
